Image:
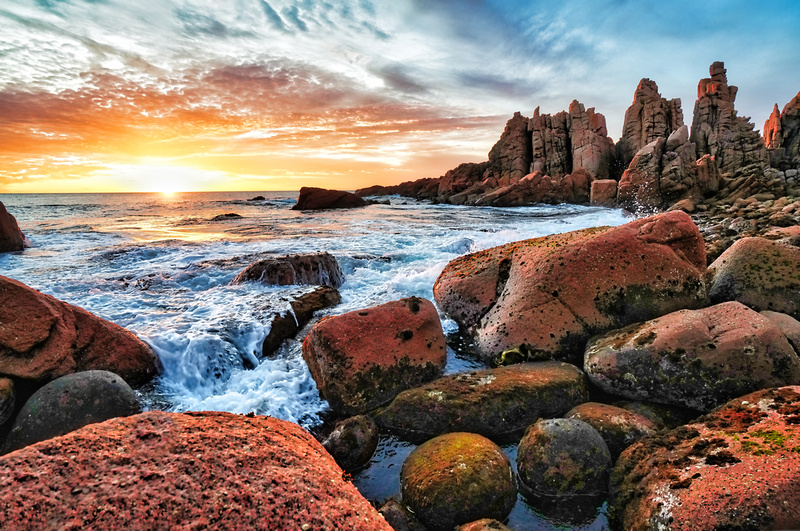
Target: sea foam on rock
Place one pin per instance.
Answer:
(693, 358)
(547, 296)
(363, 359)
(736, 468)
(43, 338)
(188, 470)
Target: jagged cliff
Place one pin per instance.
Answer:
(569, 158)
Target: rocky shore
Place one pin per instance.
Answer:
(654, 366)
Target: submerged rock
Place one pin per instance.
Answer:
(496, 403)
(563, 467)
(399, 517)
(11, 238)
(286, 325)
(693, 358)
(321, 199)
(458, 478)
(225, 217)
(763, 274)
(352, 442)
(69, 403)
(736, 468)
(363, 359)
(190, 470)
(42, 338)
(619, 427)
(547, 296)
(294, 269)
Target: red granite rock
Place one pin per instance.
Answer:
(187, 471)
(286, 325)
(42, 338)
(603, 193)
(736, 468)
(619, 427)
(321, 199)
(11, 238)
(547, 296)
(363, 359)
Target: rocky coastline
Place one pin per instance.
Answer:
(654, 366)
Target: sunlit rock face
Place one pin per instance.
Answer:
(718, 131)
(649, 118)
(782, 135)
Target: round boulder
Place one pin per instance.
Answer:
(352, 442)
(619, 427)
(484, 524)
(563, 459)
(458, 478)
(69, 403)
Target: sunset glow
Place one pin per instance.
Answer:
(178, 95)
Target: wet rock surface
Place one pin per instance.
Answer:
(286, 325)
(456, 479)
(619, 427)
(697, 359)
(547, 296)
(192, 470)
(11, 237)
(497, 403)
(363, 359)
(43, 338)
(352, 442)
(736, 468)
(69, 403)
(294, 269)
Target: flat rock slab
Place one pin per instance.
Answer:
(181, 471)
(43, 338)
(496, 403)
(547, 296)
(694, 358)
(763, 274)
(736, 468)
(363, 359)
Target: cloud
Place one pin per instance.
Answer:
(273, 16)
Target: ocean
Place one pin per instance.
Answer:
(161, 265)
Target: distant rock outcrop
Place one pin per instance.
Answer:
(718, 131)
(649, 118)
(782, 135)
(321, 199)
(11, 238)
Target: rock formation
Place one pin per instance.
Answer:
(782, 135)
(649, 118)
(320, 199)
(718, 131)
(287, 324)
(11, 238)
(295, 269)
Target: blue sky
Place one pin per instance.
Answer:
(113, 95)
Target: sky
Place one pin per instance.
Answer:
(192, 95)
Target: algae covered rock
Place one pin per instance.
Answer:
(456, 479)
(563, 467)
(548, 296)
(736, 468)
(363, 359)
(763, 274)
(693, 358)
(619, 427)
(497, 403)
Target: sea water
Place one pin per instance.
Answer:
(161, 265)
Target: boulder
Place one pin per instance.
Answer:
(286, 325)
(763, 274)
(649, 118)
(497, 403)
(736, 468)
(181, 470)
(321, 199)
(547, 296)
(69, 403)
(563, 467)
(782, 135)
(484, 524)
(456, 479)
(603, 193)
(352, 442)
(363, 359)
(619, 427)
(399, 517)
(11, 238)
(8, 400)
(294, 269)
(43, 338)
(693, 358)
(661, 415)
(788, 325)
(718, 131)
